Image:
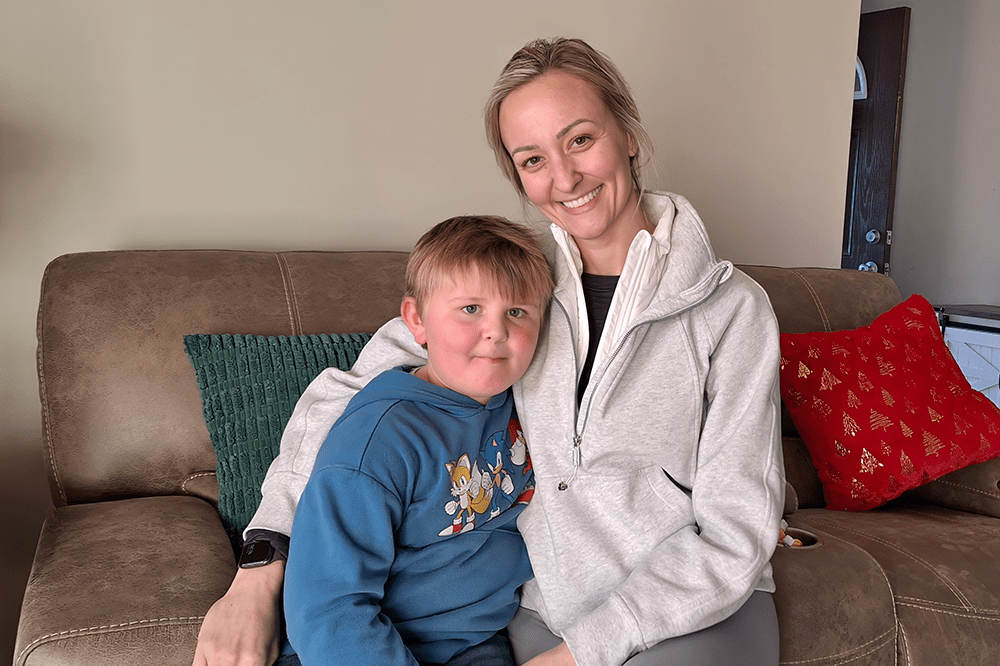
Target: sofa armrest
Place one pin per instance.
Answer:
(123, 582)
(833, 601)
(974, 489)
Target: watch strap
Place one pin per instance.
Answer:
(262, 547)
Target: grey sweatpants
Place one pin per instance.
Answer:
(748, 637)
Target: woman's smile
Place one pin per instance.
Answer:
(587, 198)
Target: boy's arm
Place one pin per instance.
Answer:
(240, 628)
(342, 551)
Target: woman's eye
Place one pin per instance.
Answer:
(470, 309)
(530, 162)
(581, 140)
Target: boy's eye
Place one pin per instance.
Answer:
(517, 313)
(470, 309)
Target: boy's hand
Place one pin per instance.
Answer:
(557, 656)
(241, 628)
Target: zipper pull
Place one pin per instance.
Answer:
(563, 485)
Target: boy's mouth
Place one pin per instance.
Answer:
(576, 203)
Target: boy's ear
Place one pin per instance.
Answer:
(411, 316)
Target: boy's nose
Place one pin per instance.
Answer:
(495, 329)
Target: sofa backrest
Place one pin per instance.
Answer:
(819, 299)
(121, 411)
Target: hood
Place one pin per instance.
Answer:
(401, 384)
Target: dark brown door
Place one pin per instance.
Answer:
(871, 176)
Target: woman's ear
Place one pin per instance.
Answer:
(410, 313)
(633, 146)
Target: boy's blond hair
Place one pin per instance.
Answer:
(505, 253)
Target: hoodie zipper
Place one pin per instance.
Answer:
(563, 485)
(580, 428)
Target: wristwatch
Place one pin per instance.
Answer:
(257, 554)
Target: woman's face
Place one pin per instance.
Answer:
(573, 160)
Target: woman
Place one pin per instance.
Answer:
(651, 407)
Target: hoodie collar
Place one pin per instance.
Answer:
(664, 272)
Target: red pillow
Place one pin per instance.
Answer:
(884, 408)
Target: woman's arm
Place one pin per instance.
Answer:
(322, 403)
(241, 628)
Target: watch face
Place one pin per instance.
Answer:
(256, 554)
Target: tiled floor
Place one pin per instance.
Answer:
(24, 496)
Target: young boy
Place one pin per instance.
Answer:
(405, 547)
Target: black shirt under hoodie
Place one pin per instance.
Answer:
(598, 290)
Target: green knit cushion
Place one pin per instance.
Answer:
(249, 386)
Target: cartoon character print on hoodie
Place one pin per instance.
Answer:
(487, 486)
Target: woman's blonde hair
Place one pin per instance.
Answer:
(504, 253)
(575, 57)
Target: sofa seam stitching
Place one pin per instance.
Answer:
(874, 644)
(192, 477)
(816, 299)
(122, 626)
(991, 495)
(291, 299)
(971, 613)
(947, 583)
(895, 616)
(904, 646)
(44, 394)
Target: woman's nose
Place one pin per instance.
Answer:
(565, 176)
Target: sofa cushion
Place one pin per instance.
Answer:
(249, 386)
(940, 566)
(884, 408)
(123, 582)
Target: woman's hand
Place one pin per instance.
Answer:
(557, 656)
(242, 628)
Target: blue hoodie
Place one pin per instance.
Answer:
(405, 546)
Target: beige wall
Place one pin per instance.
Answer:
(314, 124)
(305, 124)
(946, 228)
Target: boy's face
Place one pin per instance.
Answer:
(478, 342)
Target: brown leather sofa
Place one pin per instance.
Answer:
(134, 553)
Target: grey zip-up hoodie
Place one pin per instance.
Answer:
(658, 499)
(671, 465)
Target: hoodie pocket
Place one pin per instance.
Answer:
(673, 496)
